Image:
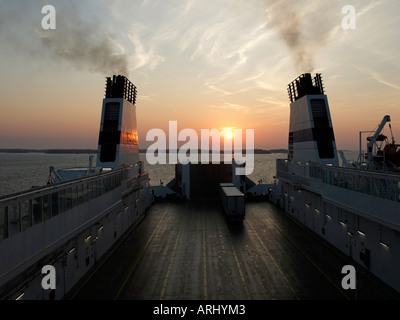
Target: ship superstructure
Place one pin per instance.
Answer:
(311, 136)
(354, 207)
(73, 221)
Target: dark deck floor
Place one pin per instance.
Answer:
(189, 251)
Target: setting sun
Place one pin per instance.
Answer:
(228, 132)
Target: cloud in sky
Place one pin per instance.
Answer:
(144, 53)
(190, 57)
(225, 41)
(229, 41)
(77, 40)
(304, 26)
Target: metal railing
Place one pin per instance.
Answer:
(382, 185)
(23, 210)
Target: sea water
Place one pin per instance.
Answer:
(22, 171)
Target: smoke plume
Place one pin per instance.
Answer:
(302, 30)
(82, 44)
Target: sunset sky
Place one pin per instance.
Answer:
(203, 63)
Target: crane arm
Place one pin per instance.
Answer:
(373, 138)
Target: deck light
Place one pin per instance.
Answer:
(384, 244)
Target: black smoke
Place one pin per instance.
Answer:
(82, 43)
(304, 26)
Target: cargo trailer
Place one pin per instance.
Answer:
(233, 204)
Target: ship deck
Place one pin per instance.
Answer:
(188, 251)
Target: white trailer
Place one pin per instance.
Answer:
(233, 203)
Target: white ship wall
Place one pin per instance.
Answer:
(72, 242)
(351, 233)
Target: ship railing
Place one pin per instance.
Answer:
(378, 184)
(141, 179)
(136, 183)
(23, 210)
